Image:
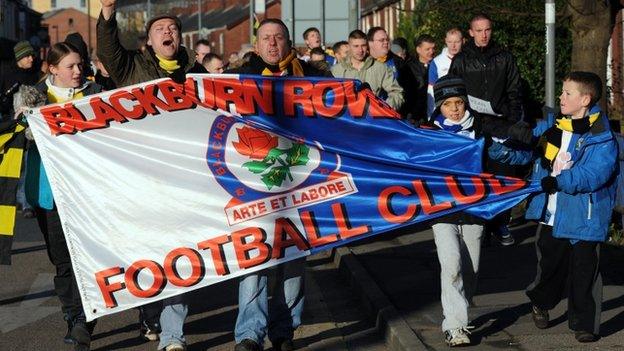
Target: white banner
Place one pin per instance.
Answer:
(161, 189)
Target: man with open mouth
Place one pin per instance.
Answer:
(164, 57)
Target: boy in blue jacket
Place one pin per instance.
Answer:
(577, 170)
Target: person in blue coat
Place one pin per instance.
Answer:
(577, 168)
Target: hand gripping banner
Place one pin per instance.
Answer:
(163, 188)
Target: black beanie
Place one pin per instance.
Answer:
(447, 87)
(159, 17)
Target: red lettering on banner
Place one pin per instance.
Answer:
(363, 101)
(209, 94)
(243, 248)
(454, 187)
(132, 278)
(285, 228)
(298, 92)
(258, 97)
(312, 231)
(426, 199)
(228, 91)
(175, 96)
(137, 112)
(344, 226)
(197, 267)
(215, 246)
(59, 120)
(498, 188)
(106, 288)
(104, 113)
(384, 205)
(147, 97)
(319, 99)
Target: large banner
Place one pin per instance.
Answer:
(163, 188)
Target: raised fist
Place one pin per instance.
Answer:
(107, 3)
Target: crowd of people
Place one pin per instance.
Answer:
(472, 88)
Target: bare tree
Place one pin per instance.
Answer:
(591, 24)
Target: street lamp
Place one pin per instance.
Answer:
(199, 18)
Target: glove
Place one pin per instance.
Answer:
(521, 131)
(549, 184)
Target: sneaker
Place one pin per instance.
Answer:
(457, 337)
(80, 334)
(175, 346)
(149, 331)
(281, 344)
(504, 236)
(540, 317)
(247, 345)
(583, 336)
(68, 338)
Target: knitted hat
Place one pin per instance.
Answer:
(23, 49)
(159, 17)
(447, 87)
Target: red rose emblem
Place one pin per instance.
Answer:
(254, 143)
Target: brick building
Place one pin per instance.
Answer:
(64, 21)
(384, 13)
(227, 29)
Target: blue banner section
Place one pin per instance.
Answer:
(348, 119)
(371, 171)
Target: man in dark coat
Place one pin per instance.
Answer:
(163, 57)
(23, 72)
(275, 57)
(489, 70)
(490, 74)
(414, 78)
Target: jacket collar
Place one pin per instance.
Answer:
(490, 50)
(368, 62)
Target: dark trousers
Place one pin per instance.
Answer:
(561, 264)
(64, 282)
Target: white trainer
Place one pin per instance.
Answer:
(457, 337)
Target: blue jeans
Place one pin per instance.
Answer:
(172, 319)
(282, 316)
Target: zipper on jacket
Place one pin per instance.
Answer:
(589, 207)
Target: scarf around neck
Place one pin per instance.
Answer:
(168, 65)
(462, 127)
(282, 69)
(552, 137)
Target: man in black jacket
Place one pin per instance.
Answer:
(23, 72)
(256, 319)
(490, 74)
(489, 70)
(414, 78)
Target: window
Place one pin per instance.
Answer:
(83, 3)
(53, 4)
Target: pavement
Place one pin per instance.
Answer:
(378, 294)
(405, 269)
(31, 318)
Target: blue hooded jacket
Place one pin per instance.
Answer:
(586, 191)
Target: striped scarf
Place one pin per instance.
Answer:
(551, 141)
(290, 62)
(12, 142)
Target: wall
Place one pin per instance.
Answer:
(58, 26)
